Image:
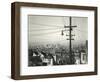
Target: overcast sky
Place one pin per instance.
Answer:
(47, 29)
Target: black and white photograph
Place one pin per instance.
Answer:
(57, 40)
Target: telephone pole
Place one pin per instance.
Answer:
(70, 39)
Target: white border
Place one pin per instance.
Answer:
(25, 70)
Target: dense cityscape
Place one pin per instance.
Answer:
(56, 54)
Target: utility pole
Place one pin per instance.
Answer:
(70, 38)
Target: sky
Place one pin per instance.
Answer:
(47, 30)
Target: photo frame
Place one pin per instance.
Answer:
(53, 40)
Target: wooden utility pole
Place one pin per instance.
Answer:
(70, 38)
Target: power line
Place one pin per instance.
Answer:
(39, 29)
(81, 31)
(45, 25)
(49, 33)
(45, 29)
(53, 32)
